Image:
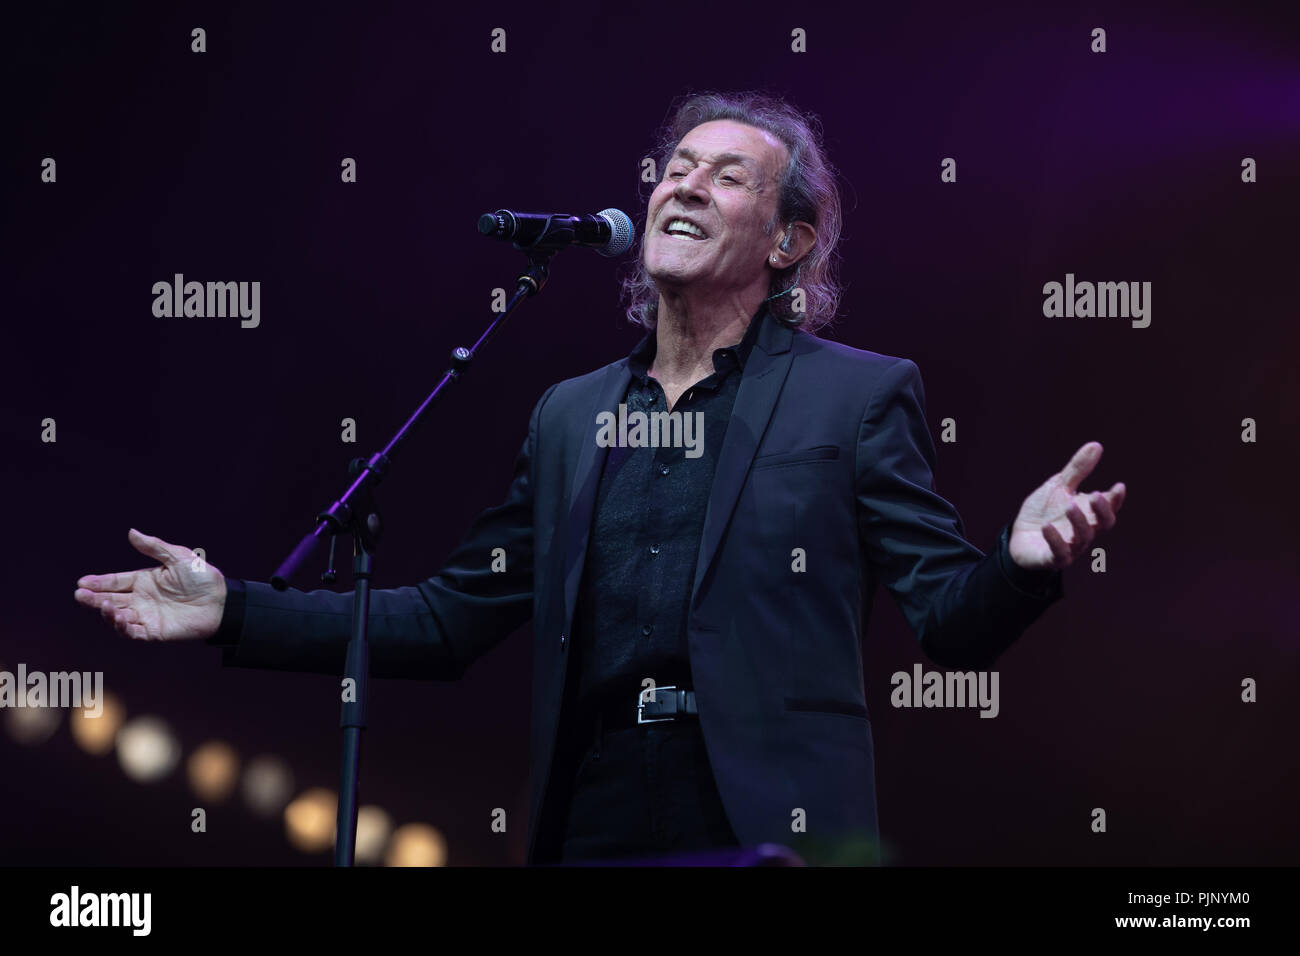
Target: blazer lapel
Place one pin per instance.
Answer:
(586, 480)
(765, 373)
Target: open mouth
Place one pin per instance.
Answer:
(682, 229)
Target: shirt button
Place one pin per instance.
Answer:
(647, 628)
(654, 549)
(564, 641)
(664, 469)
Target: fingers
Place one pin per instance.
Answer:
(1081, 465)
(118, 581)
(100, 601)
(156, 548)
(1106, 504)
(109, 610)
(1082, 529)
(116, 608)
(1064, 553)
(1103, 505)
(96, 599)
(1116, 495)
(1103, 509)
(124, 620)
(1060, 550)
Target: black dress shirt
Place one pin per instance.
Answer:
(630, 618)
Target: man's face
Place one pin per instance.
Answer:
(723, 179)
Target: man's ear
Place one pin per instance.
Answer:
(798, 240)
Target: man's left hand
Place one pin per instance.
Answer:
(1057, 522)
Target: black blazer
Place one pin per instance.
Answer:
(827, 451)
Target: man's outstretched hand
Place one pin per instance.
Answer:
(1057, 522)
(183, 599)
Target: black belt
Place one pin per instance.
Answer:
(668, 703)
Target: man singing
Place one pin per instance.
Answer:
(697, 612)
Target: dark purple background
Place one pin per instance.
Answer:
(225, 166)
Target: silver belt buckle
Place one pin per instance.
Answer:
(641, 702)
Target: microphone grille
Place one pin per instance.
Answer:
(621, 232)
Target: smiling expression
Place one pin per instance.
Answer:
(707, 221)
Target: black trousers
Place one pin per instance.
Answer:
(643, 791)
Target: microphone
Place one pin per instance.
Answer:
(609, 232)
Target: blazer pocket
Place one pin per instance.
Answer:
(819, 453)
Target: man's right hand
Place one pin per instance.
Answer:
(183, 599)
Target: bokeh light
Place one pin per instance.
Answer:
(30, 726)
(374, 827)
(309, 820)
(147, 749)
(268, 785)
(213, 771)
(417, 844)
(96, 735)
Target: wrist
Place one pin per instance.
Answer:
(232, 613)
(1039, 582)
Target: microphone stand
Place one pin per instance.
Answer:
(356, 513)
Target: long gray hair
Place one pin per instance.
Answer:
(809, 193)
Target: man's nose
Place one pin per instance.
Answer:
(691, 187)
